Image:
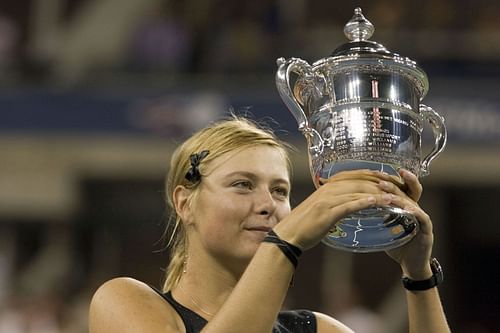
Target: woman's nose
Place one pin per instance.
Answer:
(265, 203)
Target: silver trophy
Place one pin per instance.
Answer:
(360, 109)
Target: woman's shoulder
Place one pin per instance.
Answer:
(128, 305)
(125, 289)
(327, 324)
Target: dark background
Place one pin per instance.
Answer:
(95, 95)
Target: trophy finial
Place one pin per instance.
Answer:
(358, 28)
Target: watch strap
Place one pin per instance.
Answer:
(435, 280)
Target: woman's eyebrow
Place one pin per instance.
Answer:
(253, 176)
(242, 173)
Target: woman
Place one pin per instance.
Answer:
(236, 241)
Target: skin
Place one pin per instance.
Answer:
(230, 272)
(239, 201)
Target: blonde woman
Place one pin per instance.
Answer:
(236, 241)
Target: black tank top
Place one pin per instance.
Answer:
(296, 321)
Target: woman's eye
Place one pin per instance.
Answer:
(281, 191)
(243, 184)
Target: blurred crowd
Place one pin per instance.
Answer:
(49, 269)
(72, 39)
(40, 289)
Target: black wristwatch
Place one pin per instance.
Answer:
(436, 278)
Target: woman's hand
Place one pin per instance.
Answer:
(345, 193)
(413, 256)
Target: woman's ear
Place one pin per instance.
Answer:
(181, 198)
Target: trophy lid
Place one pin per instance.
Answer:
(360, 49)
(359, 30)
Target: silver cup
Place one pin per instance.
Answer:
(360, 109)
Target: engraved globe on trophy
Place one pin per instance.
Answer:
(360, 109)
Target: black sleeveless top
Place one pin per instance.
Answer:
(297, 321)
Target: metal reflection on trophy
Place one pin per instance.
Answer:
(360, 108)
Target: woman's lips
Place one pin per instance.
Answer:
(259, 228)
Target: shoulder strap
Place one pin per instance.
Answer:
(296, 321)
(193, 322)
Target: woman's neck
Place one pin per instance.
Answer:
(205, 285)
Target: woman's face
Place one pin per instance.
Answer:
(244, 195)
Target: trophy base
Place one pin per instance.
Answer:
(373, 230)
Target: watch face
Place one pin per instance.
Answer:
(437, 270)
(435, 265)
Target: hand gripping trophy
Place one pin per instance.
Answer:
(360, 109)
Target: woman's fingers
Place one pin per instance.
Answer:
(413, 208)
(411, 188)
(415, 189)
(346, 193)
(389, 187)
(422, 217)
(396, 180)
(407, 186)
(321, 212)
(367, 175)
(347, 204)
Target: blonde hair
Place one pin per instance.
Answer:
(219, 138)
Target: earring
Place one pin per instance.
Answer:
(184, 268)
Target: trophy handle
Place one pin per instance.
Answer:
(303, 70)
(440, 135)
(285, 68)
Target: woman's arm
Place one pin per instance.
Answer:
(256, 300)
(425, 312)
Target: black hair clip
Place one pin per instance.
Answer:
(193, 174)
